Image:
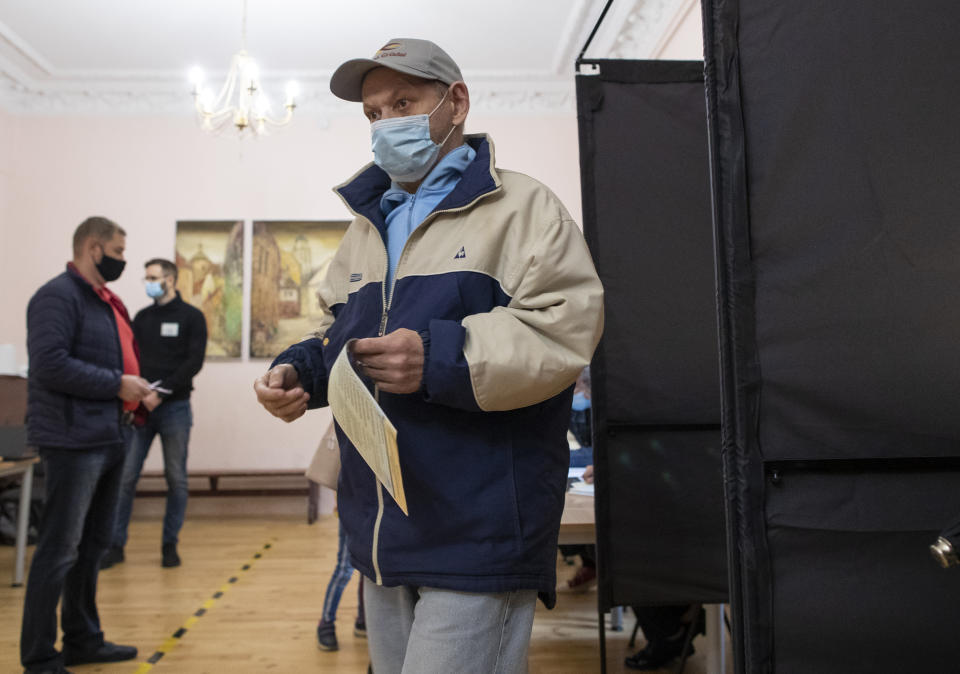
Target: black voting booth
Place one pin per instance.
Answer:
(655, 375)
(836, 177)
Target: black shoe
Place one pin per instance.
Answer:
(327, 637)
(111, 556)
(108, 652)
(658, 653)
(170, 556)
(656, 656)
(58, 669)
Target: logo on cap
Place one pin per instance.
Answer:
(387, 47)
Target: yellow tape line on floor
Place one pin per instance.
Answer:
(171, 642)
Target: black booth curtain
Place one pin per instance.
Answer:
(835, 166)
(655, 376)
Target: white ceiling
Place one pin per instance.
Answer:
(132, 56)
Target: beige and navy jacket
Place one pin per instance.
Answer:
(499, 284)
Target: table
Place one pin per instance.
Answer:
(577, 526)
(576, 522)
(25, 467)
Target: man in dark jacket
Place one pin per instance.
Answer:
(84, 386)
(173, 341)
(474, 304)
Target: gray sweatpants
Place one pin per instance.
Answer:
(423, 630)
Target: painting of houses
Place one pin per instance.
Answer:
(290, 259)
(209, 259)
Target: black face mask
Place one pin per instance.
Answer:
(110, 268)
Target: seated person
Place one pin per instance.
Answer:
(665, 629)
(580, 428)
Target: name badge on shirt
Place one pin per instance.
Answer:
(169, 329)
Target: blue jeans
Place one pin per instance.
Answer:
(82, 490)
(338, 582)
(172, 421)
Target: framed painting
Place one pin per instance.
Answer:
(290, 259)
(210, 277)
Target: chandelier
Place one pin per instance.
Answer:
(241, 102)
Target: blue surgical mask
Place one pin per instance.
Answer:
(154, 289)
(402, 146)
(580, 402)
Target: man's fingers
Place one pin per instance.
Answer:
(266, 393)
(276, 378)
(384, 376)
(405, 385)
(288, 405)
(392, 361)
(293, 416)
(388, 387)
(379, 362)
(368, 345)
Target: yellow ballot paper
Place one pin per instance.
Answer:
(366, 425)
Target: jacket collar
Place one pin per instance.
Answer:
(104, 293)
(362, 192)
(79, 278)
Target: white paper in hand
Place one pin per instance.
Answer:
(368, 428)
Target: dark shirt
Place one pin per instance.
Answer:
(173, 341)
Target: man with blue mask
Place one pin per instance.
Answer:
(474, 305)
(580, 421)
(173, 341)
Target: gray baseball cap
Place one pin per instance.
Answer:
(420, 58)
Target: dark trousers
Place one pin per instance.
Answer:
(82, 491)
(662, 624)
(172, 421)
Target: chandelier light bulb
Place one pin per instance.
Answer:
(241, 102)
(293, 91)
(260, 108)
(251, 74)
(206, 102)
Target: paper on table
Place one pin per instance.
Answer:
(366, 425)
(582, 488)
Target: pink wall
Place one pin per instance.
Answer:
(146, 173)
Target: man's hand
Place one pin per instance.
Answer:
(133, 388)
(152, 401)
(280, 392)
(394, 362)
(588, 474)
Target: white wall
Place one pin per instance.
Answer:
(686, 42)
(147, 173)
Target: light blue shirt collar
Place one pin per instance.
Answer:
(404, 211)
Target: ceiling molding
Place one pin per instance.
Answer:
(679, 16)
(29, 85)
(17, 55)
(637, 30)
(579, 24)
(514, 97)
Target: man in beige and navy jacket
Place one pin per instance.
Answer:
(475, 304)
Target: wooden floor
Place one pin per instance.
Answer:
(260, 580)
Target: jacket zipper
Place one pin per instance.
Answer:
(387, 302)
(116, 332)
(374, 557)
